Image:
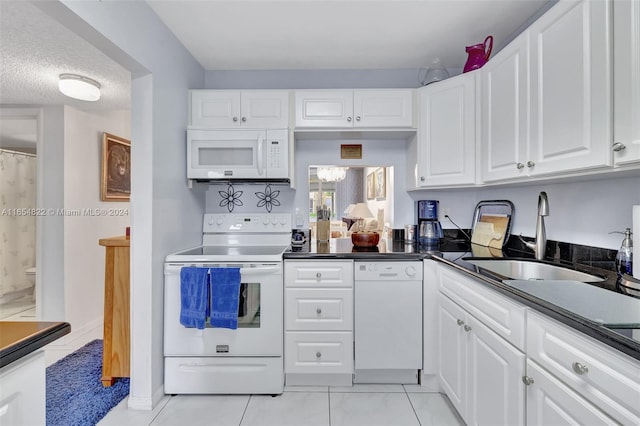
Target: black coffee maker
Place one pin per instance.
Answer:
(429, 228)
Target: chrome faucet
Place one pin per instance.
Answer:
(540, 244)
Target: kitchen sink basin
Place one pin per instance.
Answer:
(532, 270)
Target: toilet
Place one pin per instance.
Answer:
(31, 279)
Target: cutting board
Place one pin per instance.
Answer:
(500, 224)
(484, 233)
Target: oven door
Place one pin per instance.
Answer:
(259, 331)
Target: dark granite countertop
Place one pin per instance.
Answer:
(453, 251)
(20, 338)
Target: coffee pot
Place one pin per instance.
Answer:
(478, 54)
(429, 228)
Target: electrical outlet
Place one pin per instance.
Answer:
(445, 212)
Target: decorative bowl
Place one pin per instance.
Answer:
(365, 238)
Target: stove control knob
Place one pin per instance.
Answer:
(410, 271)
(283, 220)
(265, 220)
(219, 220)
(274, 220)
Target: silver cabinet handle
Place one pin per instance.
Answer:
(579, 369)
(349, 119)
(244, 119)
(520, 166)
(318, 311)
(530, 164)
(460, 322)
(467, 328)
(422, 179)
(318, 354)
(618, 146)
(527, 380)
(318, 275)
(358, 118)
(235, 119)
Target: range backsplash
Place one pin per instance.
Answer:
(595, 257)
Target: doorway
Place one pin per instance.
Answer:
(18, 227)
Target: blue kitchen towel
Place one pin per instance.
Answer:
(225, 296)
(194, 301)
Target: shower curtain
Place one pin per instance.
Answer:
(17, 220)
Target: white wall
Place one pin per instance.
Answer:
(83, 257)
(579, 212)
(50, 228)
(383, 153)
(165, 214)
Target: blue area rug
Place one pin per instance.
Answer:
(75, 395)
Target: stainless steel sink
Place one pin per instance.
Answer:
(532, 270)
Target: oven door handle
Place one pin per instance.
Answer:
(260, 271)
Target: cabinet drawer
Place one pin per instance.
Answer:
(318, 352)
(503, 316)
(318, 274)
(607, 378)
(319, 309)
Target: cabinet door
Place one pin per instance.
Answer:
(265, 109)
(318, 309)
(626, 82)
(496, 391)
(320, 108)
(215, 109)
(318, 352)
(452, 350)
(319, 273)
(550, 402)
(505, 112)
(571, 88)
(383, 108)
(446, 132)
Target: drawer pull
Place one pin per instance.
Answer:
(318, 275)
(467, 328)
(460, 322)
(579, 368)
(318, 311)
(318, 354)
(527, 380)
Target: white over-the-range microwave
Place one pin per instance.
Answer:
(238, 154)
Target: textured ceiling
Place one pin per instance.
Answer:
(35, 49)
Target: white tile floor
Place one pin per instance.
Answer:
(360, 405)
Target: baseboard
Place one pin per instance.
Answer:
(145, 403)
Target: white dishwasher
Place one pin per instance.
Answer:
(388, 321)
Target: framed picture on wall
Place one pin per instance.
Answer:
(371, 186)
(381, 183)
(115, 182)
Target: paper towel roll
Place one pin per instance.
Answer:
(636, 241)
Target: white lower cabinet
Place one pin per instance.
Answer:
(22, 391)
(480, 372)
(318, 318)
(502, 364)
(550, 402)
(606, 378)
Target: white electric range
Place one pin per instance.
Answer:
(249, 358)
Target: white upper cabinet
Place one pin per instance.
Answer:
(447, 132)
(626, 82)
(505, 112)
(229, 109)
(546, 97)
(571, 88)
(388, 108)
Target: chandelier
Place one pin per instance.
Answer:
(331, 174)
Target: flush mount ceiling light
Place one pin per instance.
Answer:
(79, 87)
